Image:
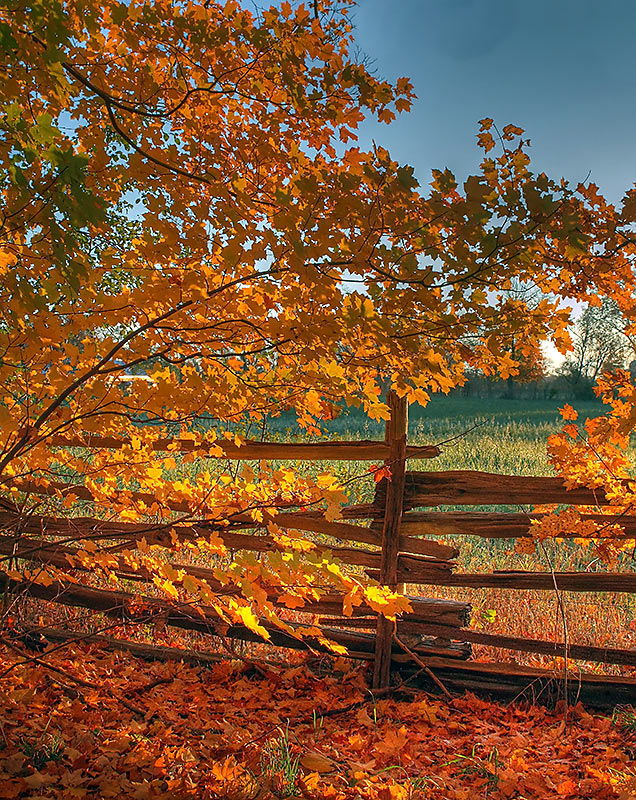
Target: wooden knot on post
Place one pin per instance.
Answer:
(395, 437)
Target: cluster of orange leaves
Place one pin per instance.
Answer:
(206, 733)
(595, 454)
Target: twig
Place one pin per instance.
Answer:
(152, 685)
(423, 665)
(462, 434)
(56, 647)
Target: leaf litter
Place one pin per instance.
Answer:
(108, 725)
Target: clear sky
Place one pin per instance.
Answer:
(565, 70)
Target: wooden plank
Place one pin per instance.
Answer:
(442, 617)
(358, 623)
(451, 614)
(316, 523)
(465, 487)
(429, 547)
(76, 526)
(149, 652)
(601, 655)
(306, 521)
(497, 525)
(342, 530)
(565, 581)
(528, 684)
(396, 430)
(312, 521)
(415, 575)
(37, 549)
(363, 511)
(89, 528)
(139, 649)
(415, 569)
(434, 608)
(62, 489)
(363, 450)
(508, 675)
(118, 604)
(92, 528)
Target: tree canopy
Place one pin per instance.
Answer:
(182, 198)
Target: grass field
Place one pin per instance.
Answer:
(505, 436)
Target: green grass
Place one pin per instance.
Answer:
(489, 435)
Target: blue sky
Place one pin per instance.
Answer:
(565, 70)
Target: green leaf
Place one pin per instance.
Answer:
(406, 178)
(43, 132)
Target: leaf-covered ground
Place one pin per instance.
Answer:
(98, 724)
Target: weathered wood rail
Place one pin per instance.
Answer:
(468, 488)
(252, 450)
(397, 546)
(496, 525)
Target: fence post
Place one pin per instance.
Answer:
(396, 429)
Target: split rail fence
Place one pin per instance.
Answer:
(434, 639)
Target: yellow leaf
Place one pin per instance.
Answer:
(166, 586)
(250, 620)
(386, 602)
(154, 473)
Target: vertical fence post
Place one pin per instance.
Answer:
(395, 437)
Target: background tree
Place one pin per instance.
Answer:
(530, 364)
(600, 344)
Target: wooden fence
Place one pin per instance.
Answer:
(397, 549)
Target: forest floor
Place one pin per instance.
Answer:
(82, 722)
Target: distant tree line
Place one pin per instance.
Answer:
(601, 341)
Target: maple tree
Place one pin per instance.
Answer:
(183, 201)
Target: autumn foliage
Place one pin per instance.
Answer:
(192, 242)
(596, 454)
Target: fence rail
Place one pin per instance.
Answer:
(498, 525)
(467, 488)
(250, 450)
